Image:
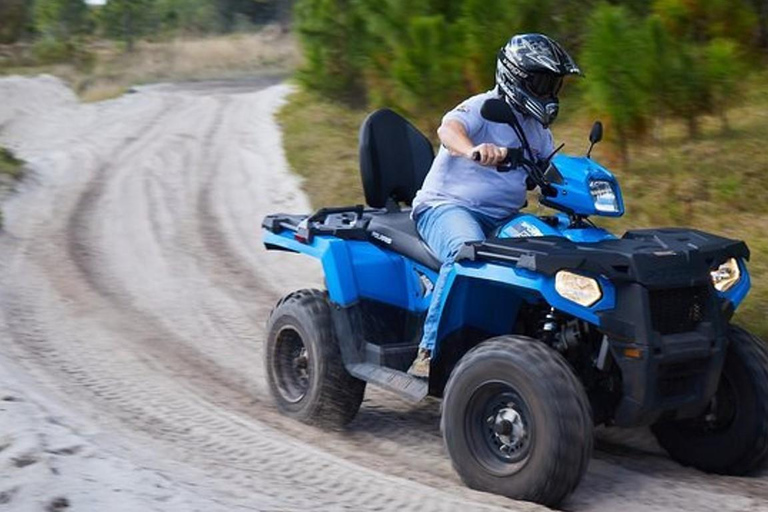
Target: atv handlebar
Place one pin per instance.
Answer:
(513, 159)
(535, 170)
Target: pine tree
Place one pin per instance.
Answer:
(128, 19)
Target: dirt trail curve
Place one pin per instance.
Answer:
(134, 296)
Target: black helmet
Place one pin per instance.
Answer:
(529, 74)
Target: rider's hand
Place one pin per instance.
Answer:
(489, 154)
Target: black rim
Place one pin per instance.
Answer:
(499, 428)
(291, 364)
(721, 413)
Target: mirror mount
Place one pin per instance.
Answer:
(595, 136)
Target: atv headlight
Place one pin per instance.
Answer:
(582, 290)
(604, 196)
(726, 275)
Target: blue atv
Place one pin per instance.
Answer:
(550, 327)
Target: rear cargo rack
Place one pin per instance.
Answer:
(346, 222)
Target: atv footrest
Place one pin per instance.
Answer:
(410, 388)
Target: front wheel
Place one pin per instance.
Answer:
(731, 436)
(517, 422)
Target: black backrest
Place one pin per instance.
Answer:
(395, 157)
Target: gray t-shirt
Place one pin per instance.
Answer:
(460, 181)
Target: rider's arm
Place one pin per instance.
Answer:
(454, 136)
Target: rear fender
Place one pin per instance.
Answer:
(357, 270)
(333, 256)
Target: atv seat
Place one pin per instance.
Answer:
(397, 232)
(395, 157)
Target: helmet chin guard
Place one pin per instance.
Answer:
(529, 73)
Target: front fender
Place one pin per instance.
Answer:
(533, 284)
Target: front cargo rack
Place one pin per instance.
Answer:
(655, 258)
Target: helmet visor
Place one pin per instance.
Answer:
(544, 85)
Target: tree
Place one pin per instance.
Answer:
(426, 69)
(334, 39)
(61, 19)
(760, 8)
(616, 60)
(195, 16)
(725, 71)
(128, 19)
(14, 19)
(704, 20)
(485, 35)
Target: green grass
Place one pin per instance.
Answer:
(10, 166)
(717, 183)
(321, 144)
(11, 171)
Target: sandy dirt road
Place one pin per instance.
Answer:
(134, 293)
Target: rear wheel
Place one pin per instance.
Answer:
(731, 436)
(305, 372)
(517, 422)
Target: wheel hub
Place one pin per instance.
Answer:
(509, 430)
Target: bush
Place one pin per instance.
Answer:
(51, 51)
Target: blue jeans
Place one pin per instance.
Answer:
(445, 229)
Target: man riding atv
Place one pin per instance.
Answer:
(460, 200)
(532, 333)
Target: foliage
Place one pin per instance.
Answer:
(484, 35)
(332, 33)
(50, 51)
(61, 19)
(645, 60)
(14, 20)
(10, 166)
(617, 63)
(128, 19)
(427, 69)
(192, 16)
(725, 72)
(703, 20)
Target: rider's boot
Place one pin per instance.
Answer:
(420, 366)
